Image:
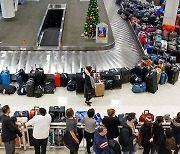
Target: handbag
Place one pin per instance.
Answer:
(139, 88)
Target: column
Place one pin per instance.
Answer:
(170, 12)
(7, 7)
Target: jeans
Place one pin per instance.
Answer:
(132, 151)
(40, 146)
(89, 139)
(10, 147)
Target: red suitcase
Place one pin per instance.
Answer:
(57, 79)
(146, 116)
(34, 112)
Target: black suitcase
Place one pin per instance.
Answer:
(125, 74)
(64, 79)
(30, 88)
(79, 83)
(115, 71)
(107, 75)
(173, 75)
(39, 77)
(38, 91)
(57, 113)
(151, 82)
(117, 83)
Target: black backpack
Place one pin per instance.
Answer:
(38, 92)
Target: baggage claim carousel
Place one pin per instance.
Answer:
(59, 46)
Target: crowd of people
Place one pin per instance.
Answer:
(106, 138)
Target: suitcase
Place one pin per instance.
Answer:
(109, 84)
(81, 115)
(106, 75)
(168, 27)
(117, 82)
(21, 114)
(125, 74)
(57, 79)
(163, 78)
(30, 88)
(21, 89)
(172, 59)
(7, 89)
(155, 58)
(21, 77)
(39, 76)
(49, 88)
(33, 112)
(79, 83)
(38, 91)
(146, 116)
(151, 82)
(135, 79)
(64, 79)
(99, 90)
(115, 71)
(71, 86)
(5, 77)
(172, 35)
(57, 113)
(173, 75)
(159, 71)
(158, 38)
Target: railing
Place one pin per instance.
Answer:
(24, 142)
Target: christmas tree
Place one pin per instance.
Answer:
(92, 19)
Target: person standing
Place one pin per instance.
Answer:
(89, 85)
(128, 135)
(9, 131)
(100, 145)
(71, 136)
(158, 132)
(175, 125)
(90, 125)
(147, 138)
(41, 126)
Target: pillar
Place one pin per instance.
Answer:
(7, 7)
(170, 12)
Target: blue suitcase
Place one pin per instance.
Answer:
(21, 114)
(163, 78)
(5, 77)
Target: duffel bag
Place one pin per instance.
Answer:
(5, 77)
(168, 27)
(21, 89)
(139, 88)
(135, 79)
(49, 88)
(21, 77)
(7, 89)
(71, 86)
(146, 116)
(38, 91)
(81, 115)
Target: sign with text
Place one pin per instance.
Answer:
(102, 33)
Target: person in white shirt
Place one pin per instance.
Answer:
(41, 125)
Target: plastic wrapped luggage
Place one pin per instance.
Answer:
(30, 87)
(173, 74)
(146, 116)
(99, 90)
(151, 82)
(80, 80)
(5, 77)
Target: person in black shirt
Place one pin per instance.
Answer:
(111, 123)
(158, 132)
(147, 139)
(9, 131)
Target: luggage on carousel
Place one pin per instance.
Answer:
(38, 91)
(80, 80)
(151, 82)
(163, 78)
(39, 77)
(7, 89)
(173, 74)
(5, 77)
(33, 112)
(21, 114)
(64, 79)
(57, 79)
(146, 116)
(99, 90)
(81, 115)
(172, 35)
(57, 113)
(30, 85)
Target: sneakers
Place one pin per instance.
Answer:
(88, 103)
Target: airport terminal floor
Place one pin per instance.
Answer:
(57, 54)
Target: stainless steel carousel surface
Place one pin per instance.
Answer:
(125, 53)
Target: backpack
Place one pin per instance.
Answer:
(170, 143)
